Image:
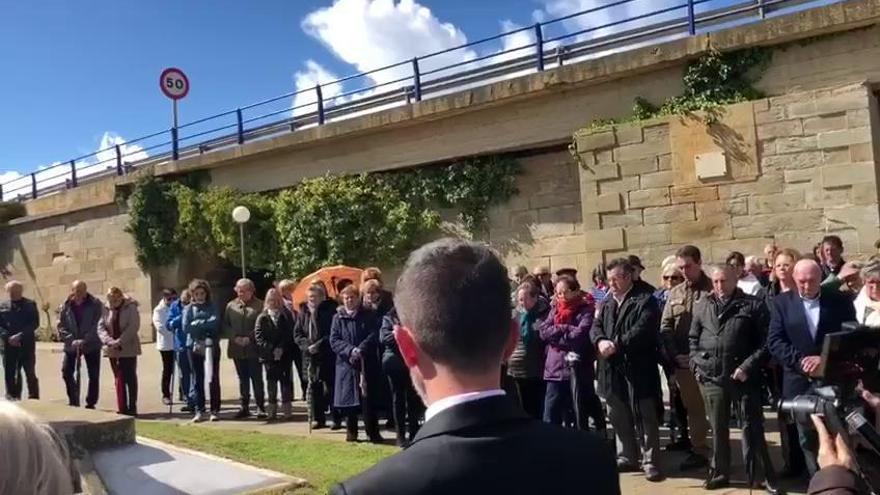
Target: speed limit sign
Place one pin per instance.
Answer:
(174, 83)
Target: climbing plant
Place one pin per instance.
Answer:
(11, 210)
(354, 219)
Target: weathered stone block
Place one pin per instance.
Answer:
(784, 128)
(836, 156)
(664, 162)
(694, 194)
(769, 183)
(647, 235)
(848, 174)
(604, 240)
(523, 218)
(795, 144)
(599, 171)
(861, 218)
(809, 159)
(589, 141)
(649, 197)
(546, 230)
(623, 185)
(669, 214)
(629, 218)
(656, 133)
(834, 122)
(717, 227)
(864, 194)
(629, 134)
(638, 167)
(571, 244)
(772, 114)
(776, 203)
(796, 176)
(769, 225)
(858, 118)
(719, 250)
(602, 203)
(646, 149)
(734, 207)
(836, 139)
(861, 152)
(658, 179)
(560, 214)
(851, 100)
(550, 199)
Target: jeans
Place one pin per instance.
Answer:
(532, 393)
(278, 376)
(125, 380)
(406, 404)
(622, 419)
(167, 372)
(73, 379)
(185, 372)
(718, 400)
(16, 359)
(197, 391)
(577, 398)
(250, 371)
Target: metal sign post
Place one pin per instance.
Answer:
(175, 85)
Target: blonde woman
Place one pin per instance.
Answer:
(33, 459)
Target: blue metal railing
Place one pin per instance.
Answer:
(563, 40)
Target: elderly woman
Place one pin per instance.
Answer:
(274, 335)
(202, 327)
(118, 331)
(670, 277)
(568, 368)
(867, 303)
(312, 336)
(526, 364)
(354, 336)
(34, 459)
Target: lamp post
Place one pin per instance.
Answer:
(241, 215)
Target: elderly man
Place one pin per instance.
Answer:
(799, 321)
(674, 330)
(18, 321)
(625, 336)
(78, 321)
(728, 350)
(545, 280)
(239, 321)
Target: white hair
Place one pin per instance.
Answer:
(13, 284)
(752, 262)
(245, 283)
(33, 459)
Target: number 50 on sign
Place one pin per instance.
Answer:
(174, 83)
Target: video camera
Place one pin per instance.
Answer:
(849, 358)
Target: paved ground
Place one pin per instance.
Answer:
(150, 407)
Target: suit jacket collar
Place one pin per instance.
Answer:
(481, 412)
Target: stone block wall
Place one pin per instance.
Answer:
(89, 245)
(799, 166)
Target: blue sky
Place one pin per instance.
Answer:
(79, 75)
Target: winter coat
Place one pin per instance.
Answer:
(529, 356)
(129, 342)
(675, 325)
(164, 335)
(633, 329)
(361, 331)
(392, 361)
(867, 311)
(87, 331)
(201, 324)
(314, 328)
(239, 320)
(19, 317)
(270, 335)
(565, 338)
(174, 323)
(730, 335)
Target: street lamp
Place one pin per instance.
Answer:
(241, 215)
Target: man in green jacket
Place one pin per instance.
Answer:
(239, 320)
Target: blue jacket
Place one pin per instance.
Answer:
(200, 322)
(348, 332)
(19, 317)
(175, 324)
(789, 338)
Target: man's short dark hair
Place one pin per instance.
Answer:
(692, 252)
(569, 282)
(833, 240)
(454, 296)
(622, 263)
(736, 257)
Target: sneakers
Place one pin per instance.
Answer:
(198, 418)
(652, 474)
(214, 418)
(166, 401)
(261, 414)
(693, 461)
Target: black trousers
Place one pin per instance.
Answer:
(197, 391)
(406, 404)
(126, 383)
(371, 422)
(298, 371)
(167, 372)
(71, 377)
(322, 399)
(531, 392)
(18, 359)
(250, 371)
(278, 376)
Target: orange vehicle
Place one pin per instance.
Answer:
(334, 278)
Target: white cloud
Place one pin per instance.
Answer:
(519, 39)
(8, 176)
(306, 80)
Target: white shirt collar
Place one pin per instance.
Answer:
(454, 400)
(623, 297)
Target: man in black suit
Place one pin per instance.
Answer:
(453, 300)
(799, 322)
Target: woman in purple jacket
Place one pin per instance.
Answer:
(568, 369)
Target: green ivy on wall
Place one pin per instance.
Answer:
(356, 219)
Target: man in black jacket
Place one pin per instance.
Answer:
(799, 321)
(453, 300)
(728, 350)
(311, 333)
(18, 321)
(626, 338)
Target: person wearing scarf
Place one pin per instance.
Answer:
(312, 336)
(118, 331)
(867, 303)
(568, 368)
(526, 364)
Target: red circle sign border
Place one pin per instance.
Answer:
(162, 85)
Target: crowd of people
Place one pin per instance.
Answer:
(727, 338)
